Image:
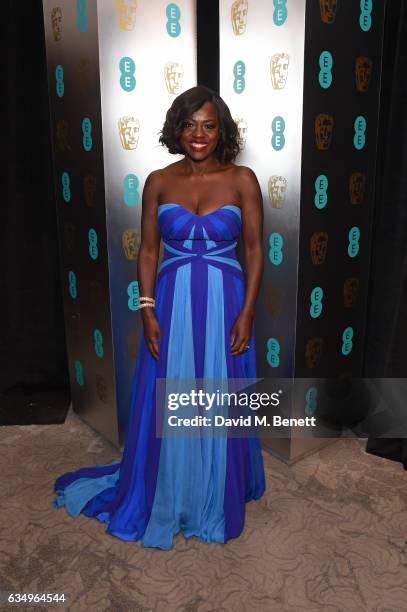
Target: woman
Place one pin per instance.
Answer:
(199, 325)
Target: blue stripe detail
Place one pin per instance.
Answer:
(224, 249)
(225, 260)
(188, 242)
(209, 243)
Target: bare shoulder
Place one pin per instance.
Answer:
(246, 180)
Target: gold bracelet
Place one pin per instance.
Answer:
(146, 299)
(146, 304)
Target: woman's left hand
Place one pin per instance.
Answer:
(240, 333)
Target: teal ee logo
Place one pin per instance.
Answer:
(59, 77)
(316, 302)
(134, 294)
(127, 69)
(87, 134)
(273, 352)
(81, 16)
(79, 373)
(325, 74)
(131, 195)
(276, 243)
(280, 12)
(278, 138)
(321, 196)
(66, 187)
(365, 18)
(239, 70)
(359, 139)
(311, 403)
(353, 246)
(347, 343)
(98, 342)
(72, 288)
(173, 14)
(93, 246)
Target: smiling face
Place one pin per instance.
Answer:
(200, 132)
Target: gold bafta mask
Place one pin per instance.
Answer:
(173, 73)
(69, 237)
(319, 246)
(357, 183)
(83, 75)
(350, 292)
(101, 388)
(313, 352)
(56, 23)
(242, 129)
(277, 187)
(126, 14)
(363, 72)
(239, 16)
(89, 187)
(323, 131)
(95, 294)
(279, 70)
(131, 242)
(61, 134)
(274, 300)
(328, 10)
(129, 129)
(133, 342)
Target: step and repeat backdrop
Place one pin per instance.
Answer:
(306, 106)
(302, 79)
(114, 68)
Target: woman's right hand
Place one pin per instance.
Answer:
(152, 331)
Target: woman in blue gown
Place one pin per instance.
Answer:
(198, 325)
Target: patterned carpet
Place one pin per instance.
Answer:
(329, 535)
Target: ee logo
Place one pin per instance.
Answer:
(79, 372)
(134, 294)
(131, 194)
(311, 401)
(353, 246)
(173, 14)
(359, 139)
(87, 134)
(365, 18)
(60, 85)
(347, 343)
(325, 74)
(81, 16)
(72, 288)
(273, 352)
(98, 342)
(127, 69)
(316, 302)
(321, 196)
(278, 138)
(66, 187)
(239, 70)
(276, 248)
(93, 246)
(280, 12)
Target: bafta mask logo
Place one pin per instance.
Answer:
(101, 388)
(323, 131)
(56, 23)
(277, 188)
(274, 301)
(357, 184)
(89, 188)
(313, 352)
(319, 246)
(279, 70)
(328, 10)
(69, 237)
(83, 75)
(129, 129)
(173, 74)
(131, 239)
(242, 131)
(350, 292)
(126, 14)
(239, 16)
(363, 73)
(95, 294)
(61, 134)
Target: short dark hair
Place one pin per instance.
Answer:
(187, 103)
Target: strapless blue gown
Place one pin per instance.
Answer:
(195, 485)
